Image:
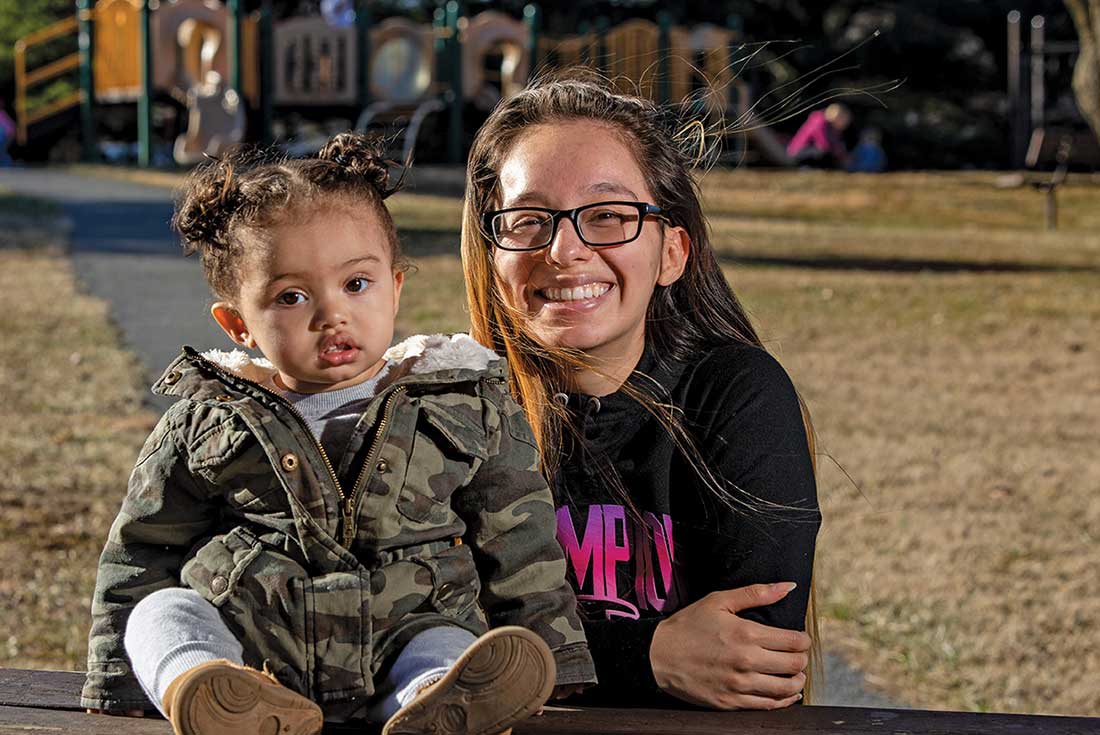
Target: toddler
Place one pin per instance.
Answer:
(329, 532)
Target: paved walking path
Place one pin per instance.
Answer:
(125, 253)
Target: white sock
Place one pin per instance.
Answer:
(426, 658)
(171, 631)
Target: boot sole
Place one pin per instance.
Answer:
(503, 678)
(226, 700)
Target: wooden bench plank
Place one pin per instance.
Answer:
(49, 701)
(44, 689)
(566, 721)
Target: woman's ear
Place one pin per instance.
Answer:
(231, 322)
(675, 251)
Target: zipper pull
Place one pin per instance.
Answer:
(349, 525)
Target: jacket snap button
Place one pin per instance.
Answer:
(445, 589)
(219, 584)
(383, 467)
(224, 398)
(173, 377)
(289, 462)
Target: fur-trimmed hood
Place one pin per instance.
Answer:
(424, 357)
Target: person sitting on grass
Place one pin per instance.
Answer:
(819, 143)
(330, 532)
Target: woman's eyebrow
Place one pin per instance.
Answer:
(611, 188)
(525, 197)
(537, 198)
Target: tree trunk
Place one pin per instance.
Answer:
(1086, 74)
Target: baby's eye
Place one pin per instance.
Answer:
(290, 298)
(357, 284)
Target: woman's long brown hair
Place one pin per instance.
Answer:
(696, 313)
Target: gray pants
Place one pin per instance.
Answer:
(174, 629)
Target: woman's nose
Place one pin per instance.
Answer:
(566, 246)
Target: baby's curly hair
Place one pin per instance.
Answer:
(250, 190)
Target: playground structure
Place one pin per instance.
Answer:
(1045, 130)
(218, 63)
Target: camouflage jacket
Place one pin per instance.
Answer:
(449, 521)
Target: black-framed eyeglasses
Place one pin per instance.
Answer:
(600, 224)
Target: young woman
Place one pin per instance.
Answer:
(676, 445)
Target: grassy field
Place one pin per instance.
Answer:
(70, 423)
(947, 347)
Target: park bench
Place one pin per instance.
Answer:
(1058, 148)
(39, 702)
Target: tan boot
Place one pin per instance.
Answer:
(504, 677)
(223, 698)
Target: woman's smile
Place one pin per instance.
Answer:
(586, 297)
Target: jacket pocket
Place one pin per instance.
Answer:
(216, 569)
(313, 632)
(447, 449)
(455, 583)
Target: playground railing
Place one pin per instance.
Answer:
(26, 79)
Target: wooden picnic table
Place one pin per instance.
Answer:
(39, 702)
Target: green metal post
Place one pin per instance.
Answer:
(532, 18)
(362, 39)
(454, 61)
(267, 73)
(234, 22)
(145, 98)
(236, 70)
(86, 42)
(664, 62)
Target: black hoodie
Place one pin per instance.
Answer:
(742, 412)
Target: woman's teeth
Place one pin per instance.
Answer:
(336, 348)
(577, 293)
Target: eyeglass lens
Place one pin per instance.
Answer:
(601, 224)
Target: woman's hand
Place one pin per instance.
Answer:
(707, 655)
(117, 713)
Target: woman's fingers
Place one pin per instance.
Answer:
(707, 654)
(775, 639)
(749, 701)
(766, 685)
(781, 663)
(754, 595)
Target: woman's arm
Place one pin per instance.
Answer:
(742, 645)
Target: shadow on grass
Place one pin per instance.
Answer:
(900, 265)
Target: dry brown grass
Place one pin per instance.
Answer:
(958, 564)
(947, 347)
(70, 425)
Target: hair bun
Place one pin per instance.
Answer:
(363, 157)
(203, 216)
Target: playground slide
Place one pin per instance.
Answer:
(770, 146)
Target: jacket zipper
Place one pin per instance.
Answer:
(346, 505)
(351, 506)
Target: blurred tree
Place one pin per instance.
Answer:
(17, 19)
(1086, 74)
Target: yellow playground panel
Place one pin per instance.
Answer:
(316, 64)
